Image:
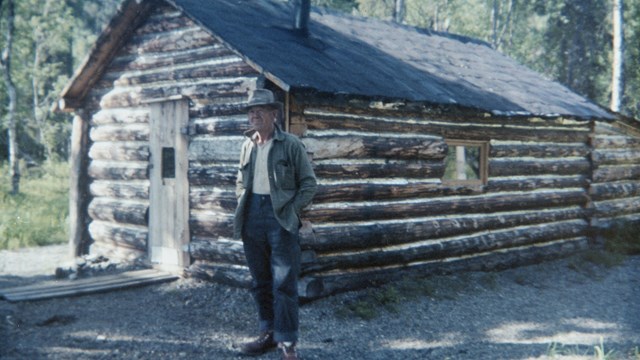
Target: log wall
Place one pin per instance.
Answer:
(382, 206)
(167, 56)
(615, 187)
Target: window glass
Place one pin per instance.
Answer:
(168, 163)
(463, 163)
(466, 162)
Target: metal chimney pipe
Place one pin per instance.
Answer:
(302, 9)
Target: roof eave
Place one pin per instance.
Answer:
(258, 67)
(128, 17)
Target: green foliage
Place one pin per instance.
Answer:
(556, 350)
(623, 237)
(368, 304)
(51, 39)
(38, 215)
(342, 5)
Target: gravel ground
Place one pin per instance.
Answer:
(556, 310)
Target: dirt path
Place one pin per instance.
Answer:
(556, 310)
(33, 261)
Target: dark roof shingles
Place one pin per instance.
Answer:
(361, 56)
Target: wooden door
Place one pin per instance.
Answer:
(169, 187)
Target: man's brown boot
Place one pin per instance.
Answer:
(288, 352)
(259, 346)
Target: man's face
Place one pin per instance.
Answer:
(262, 118)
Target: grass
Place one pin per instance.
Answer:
(38, 215)
(369, 303)
(621, 240)
(560, 351)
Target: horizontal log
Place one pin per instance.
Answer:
(127, 236)
(525, 183)
(200, 71)
(376, 146)
(614, 190)
(164, 18)
(133, 190)
(210, 109)
(385, 190)
(615, 142)
(109, 170)
(606, 128)
(206, 223)
(605, 223)
(172, 41)
(239, 276)
(119, 151)
(228, 251)
(134, 62)
(544, 199)
(450, 247)
(215, 148)
(616, 173)
(213, 175)
(117, 252)
(228, 274)
(135, 96)
(615, 157)
(213, 198)
(219, 250)
(323, 106)
(617, 207)
(349, 169)
(518, 166)
(119, 211)
(371, 234)
(333, 282)
(449, 129)
(223, 125)
(120, 116)
(120, 132)
(515, 150)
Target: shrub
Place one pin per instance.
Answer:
(623, 237)
(38, 215)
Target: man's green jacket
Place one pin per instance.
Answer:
(292, 181)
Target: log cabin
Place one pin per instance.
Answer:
(434, 153)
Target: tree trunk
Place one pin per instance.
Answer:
(398, 11)
(617, 80)
(5, 64)
(40, 114)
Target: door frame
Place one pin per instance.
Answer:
(168, 239)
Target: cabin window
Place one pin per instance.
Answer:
(466, 162)
(168, 163)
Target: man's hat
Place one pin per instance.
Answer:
(262, 97)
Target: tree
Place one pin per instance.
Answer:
(617, 78)
(576, 43)
(500, 21)
(398, 11)
(342, 5)
(50, 27)
(5, 65)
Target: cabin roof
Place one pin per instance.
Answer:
(359, 56)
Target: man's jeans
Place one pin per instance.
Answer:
(273, 256)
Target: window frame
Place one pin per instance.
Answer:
(484, 162)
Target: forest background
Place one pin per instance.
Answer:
(44, 41)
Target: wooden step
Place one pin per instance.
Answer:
(62, 288)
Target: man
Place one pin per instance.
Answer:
(275, 181)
